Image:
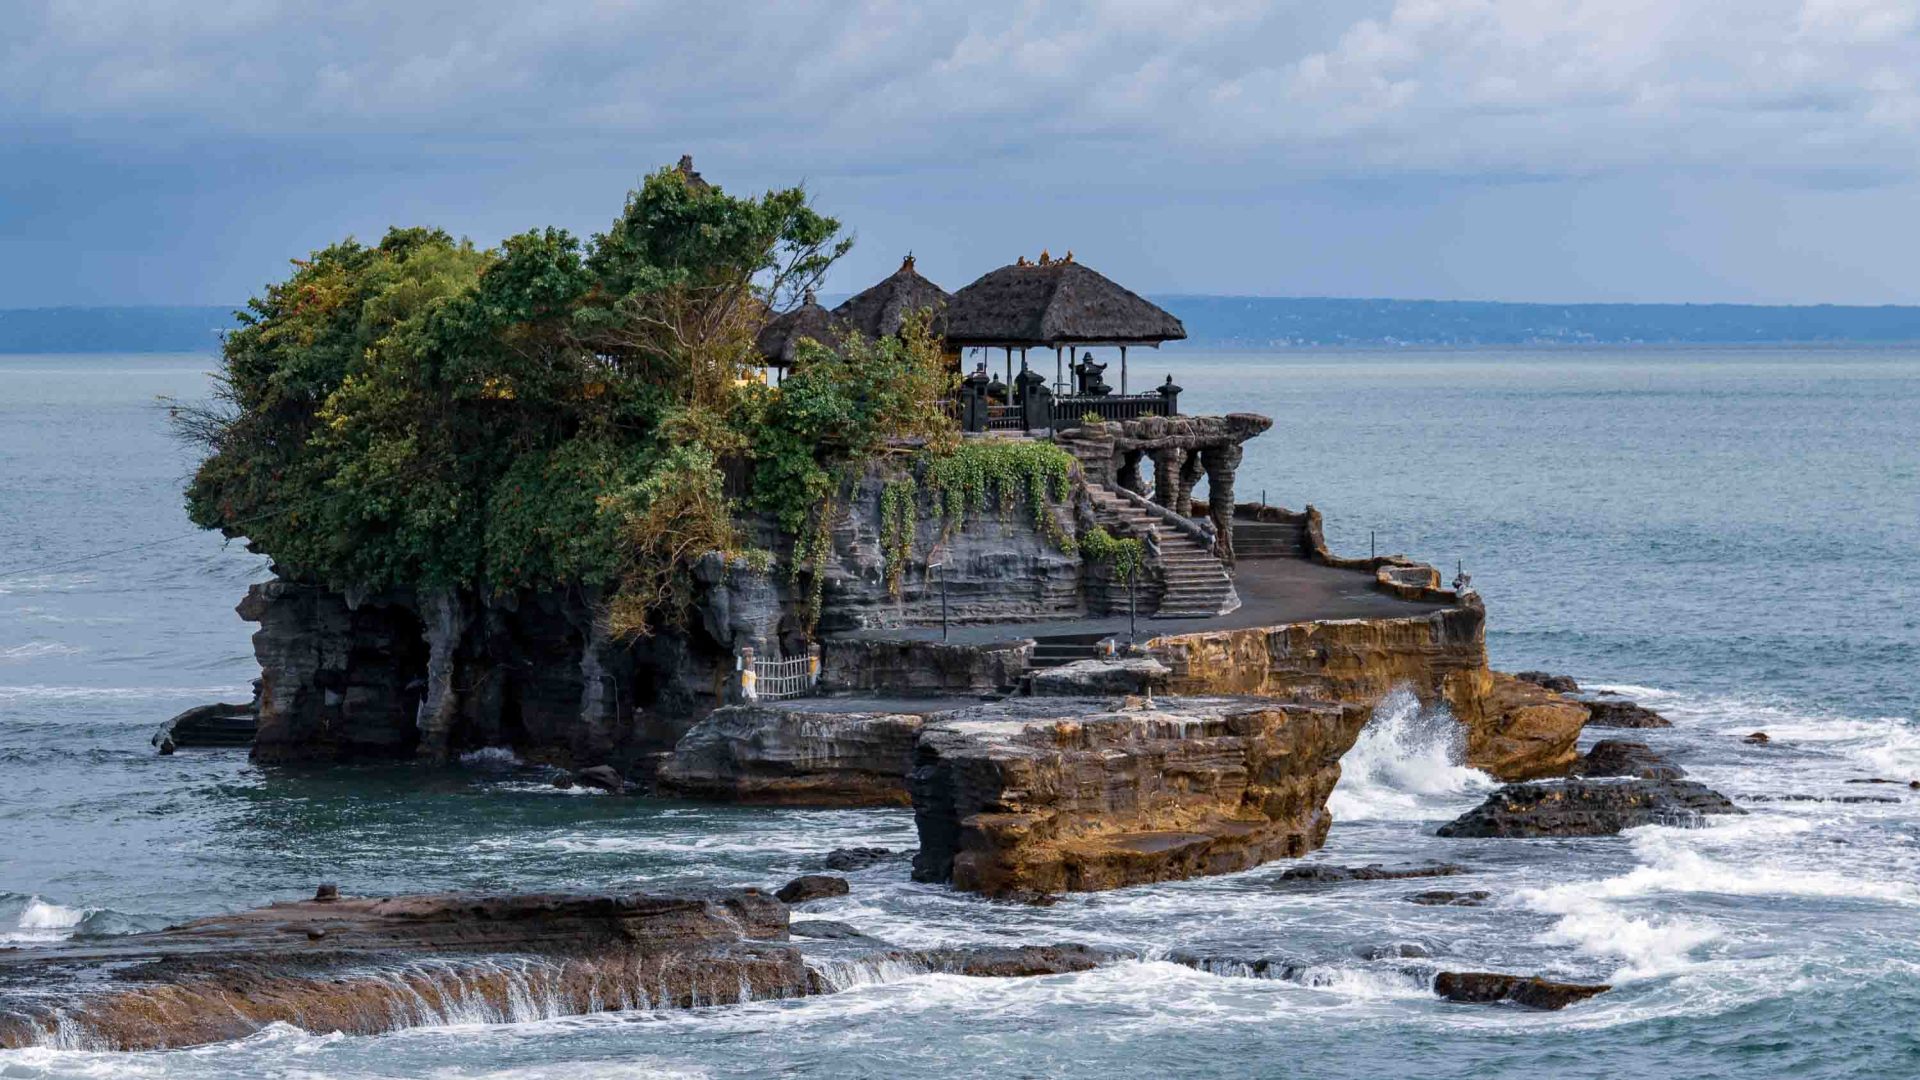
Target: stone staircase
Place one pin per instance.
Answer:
(1197, 586)
(1270, 539)
(1056, 649)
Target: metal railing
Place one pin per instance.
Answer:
(1070, 409)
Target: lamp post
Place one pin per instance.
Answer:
(942, 567)
(1133, 607)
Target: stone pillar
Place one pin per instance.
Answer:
(1221, 462)
(1167, 463)
(1190, 470)
(443, 619)
(1128, 475)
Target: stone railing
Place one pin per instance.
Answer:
(1200, 531)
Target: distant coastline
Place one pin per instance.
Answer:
(1249, 322)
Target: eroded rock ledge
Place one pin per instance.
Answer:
(796, 756)
(1046, 795)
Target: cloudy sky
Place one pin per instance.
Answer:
(179, 151)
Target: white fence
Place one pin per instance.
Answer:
(778, 678)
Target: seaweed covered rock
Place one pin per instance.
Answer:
(1045, 795)
(1620, 757)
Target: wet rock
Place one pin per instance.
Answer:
(352, 965)
(1095, 678)
(326, 893)
(604, 777)
(1618, 712)
(1322, 874)
(1046, 795)
(809, 887)
(1618, 757)
(857, 858)
(829, 930)
(1487, 987)
(1399, 950)
(1559, 684)
(1587, 808)
(216, 725)
(1521, 731)
(1450, 898)
(1015, 961)
(564, 783)
(794, 756)
(1758, 738)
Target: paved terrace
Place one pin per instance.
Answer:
(1273, 592)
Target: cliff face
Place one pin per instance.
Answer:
(1045, 795)
(994, 568)
(400, 674)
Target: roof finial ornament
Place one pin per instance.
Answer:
(1022, 261)
(1045, 259)
(1069, 256)
(907, 263)
(808, 301)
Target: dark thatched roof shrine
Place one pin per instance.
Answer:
(1053, 303)
(879, 312)
(780, 338)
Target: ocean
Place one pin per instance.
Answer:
(1727, 535)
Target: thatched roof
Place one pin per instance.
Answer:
(1054, 303)
(880, 311)
(778, 340)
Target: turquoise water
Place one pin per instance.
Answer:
(1727, 534)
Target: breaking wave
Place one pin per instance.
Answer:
(1407, 765)
(27, 919)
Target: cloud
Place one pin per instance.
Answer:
(1551, 87)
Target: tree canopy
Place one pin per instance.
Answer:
(550, 412)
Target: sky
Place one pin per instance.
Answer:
(1768, 151)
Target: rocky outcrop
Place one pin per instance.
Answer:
(1100, 678)
(859, 858)
(217, 725)
(369, 965)
(1488, 987)
(770, 753)
(1546, 680)
(1515, 730)
(1520, 731)
(1588, 808)
(1450, 898)
(808, 887)
(1046, 795)
(1616, 757)
(1621, 713)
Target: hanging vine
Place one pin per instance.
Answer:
(999, 473)
(811, 549)
(899, 505)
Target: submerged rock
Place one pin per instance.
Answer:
(1619, 712)
(830, 930)
(812, 887)
(1618, 757)
(858, 858)
(1399, 950)
(1559, 684)
(366, 965)
(1587, 808)
(604, 777)
(795, 756)
(1046, 795)
(1488, 987)
(1323, 874)
(1758, 738)
(1450, 898)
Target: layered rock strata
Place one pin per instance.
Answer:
(785, 755)
(1046, 795)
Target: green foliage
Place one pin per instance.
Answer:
(1001, 473)
(899, 505)
(1124, 555)
(545, 414)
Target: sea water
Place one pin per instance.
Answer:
(1725, 535)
